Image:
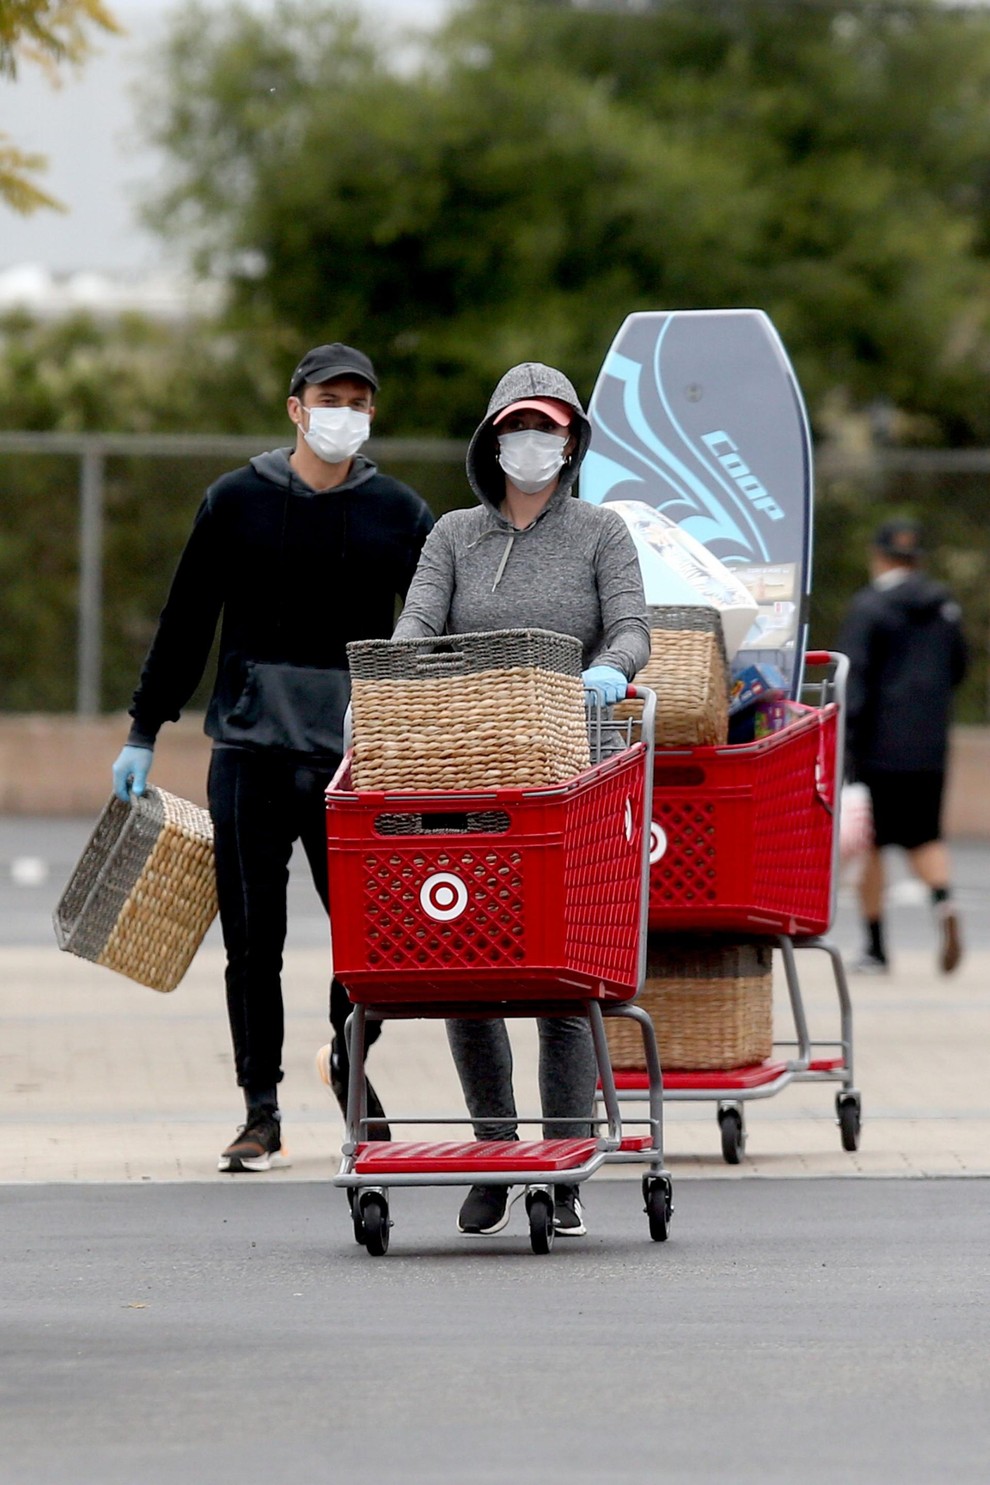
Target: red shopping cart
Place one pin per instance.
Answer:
(745, 840)
(503, 902)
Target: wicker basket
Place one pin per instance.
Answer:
(468, 711)
(689, 672)
(711, 1003)
(144, 891)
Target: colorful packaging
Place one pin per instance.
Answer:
(753, 683)
(772, 716)
(678, 570)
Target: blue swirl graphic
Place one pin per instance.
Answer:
(632, 452)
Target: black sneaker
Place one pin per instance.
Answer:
(333, 1071)
(485, 1210)
(568, 1215)
(257, 1144)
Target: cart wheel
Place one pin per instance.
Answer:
(659, 1206)
(847, 1107)
(733, 1135)
(539, 1205)
(360, 1236)
(373, 1216)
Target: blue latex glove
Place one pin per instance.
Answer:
(606, 680)
(130, 771)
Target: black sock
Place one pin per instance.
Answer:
(874, 933)
(940, 894)
(261, 1098)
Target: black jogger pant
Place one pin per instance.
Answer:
(261, 804)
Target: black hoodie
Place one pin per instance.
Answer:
(297, 573)
(907, 654)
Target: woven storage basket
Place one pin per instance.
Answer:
(503, 709)
(144, 891)
(711, 1003)
(689, 672)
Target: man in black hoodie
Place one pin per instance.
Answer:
(907, 655)
(301, 551)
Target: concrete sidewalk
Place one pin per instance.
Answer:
(103, 1080)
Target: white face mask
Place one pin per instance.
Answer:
(531, 459)
(336, 433)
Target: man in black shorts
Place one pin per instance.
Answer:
(907, 655)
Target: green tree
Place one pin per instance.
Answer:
(547, 169)
(80, 375)
(134, 376)
(51, 34)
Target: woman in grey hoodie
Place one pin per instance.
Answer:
(530, 556)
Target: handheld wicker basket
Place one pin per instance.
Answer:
(690, 674)
(503, 709)
(711, 1003)
(143, 893)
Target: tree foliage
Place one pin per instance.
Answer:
(515, 191)
(133, 375)
(80, 375)
(50, 34)
(544, 169)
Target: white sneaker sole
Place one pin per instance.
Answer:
(503, 1221)
(277, 1160)
(580, 1231)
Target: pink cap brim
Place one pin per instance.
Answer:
(558, 411)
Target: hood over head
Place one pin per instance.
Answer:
(275, 466)
(525, 383)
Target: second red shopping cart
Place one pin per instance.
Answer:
(745, 842)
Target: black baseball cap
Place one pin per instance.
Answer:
(900, 537)
(326, 361)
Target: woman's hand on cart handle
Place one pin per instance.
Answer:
(610, 684)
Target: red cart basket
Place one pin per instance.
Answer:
(743, 835)
(745, 840)
(504, 902)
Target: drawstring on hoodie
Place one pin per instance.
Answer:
(505, 558)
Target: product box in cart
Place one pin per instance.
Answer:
(752, 683)
(763, 718)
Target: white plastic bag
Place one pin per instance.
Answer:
(677, 570)
(855, 822)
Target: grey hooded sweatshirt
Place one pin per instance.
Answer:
(573, 570)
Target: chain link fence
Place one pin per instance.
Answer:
(91, 526)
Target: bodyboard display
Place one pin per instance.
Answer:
(698, 414)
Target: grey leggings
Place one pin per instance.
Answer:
(568, 1073)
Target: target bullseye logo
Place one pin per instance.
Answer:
(443, 896)
(658, 842)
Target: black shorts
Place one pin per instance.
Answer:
(907, 807)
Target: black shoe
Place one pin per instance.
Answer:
(257, 1144)
(484, 1210)
(334, 1072)
(568, 1215)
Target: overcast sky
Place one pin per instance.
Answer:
(96, 166)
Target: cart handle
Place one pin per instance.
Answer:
(818, 657)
